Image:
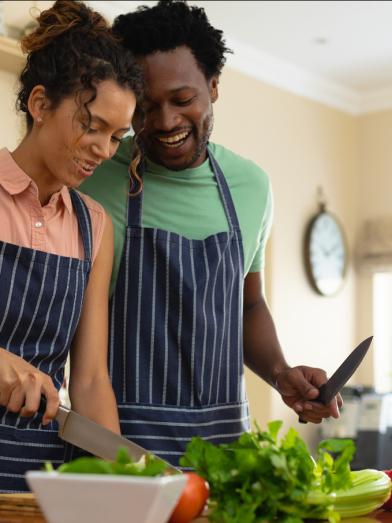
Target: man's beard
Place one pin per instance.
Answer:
(202, 144)
(200, 147)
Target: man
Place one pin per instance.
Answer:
(187, 308)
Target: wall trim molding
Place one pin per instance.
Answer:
(284, 75)
(377, 100)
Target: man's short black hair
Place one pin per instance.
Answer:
(170, 24)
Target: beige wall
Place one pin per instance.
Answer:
(10, 127)
(301, 144)
(375, 168)
(375, 139)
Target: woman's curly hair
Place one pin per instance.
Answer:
(70, 52)
(171, 24)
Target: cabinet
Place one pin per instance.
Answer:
(11, 56)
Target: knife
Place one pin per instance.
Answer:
(339, 378)
(99, 441)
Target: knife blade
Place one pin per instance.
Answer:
(99, 441)
(340, 377)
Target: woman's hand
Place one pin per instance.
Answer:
(21, 387)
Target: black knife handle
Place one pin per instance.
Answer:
(320, 399)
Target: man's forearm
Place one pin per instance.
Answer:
(298, 386)
(262, 351)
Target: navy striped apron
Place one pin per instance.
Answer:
(41, 297)
(176, 347)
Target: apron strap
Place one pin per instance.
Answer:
(135, 203)
(225, 194)
(84, 221)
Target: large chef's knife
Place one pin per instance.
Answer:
(99, 441)
(336, 382)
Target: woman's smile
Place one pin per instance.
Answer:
(85, 168)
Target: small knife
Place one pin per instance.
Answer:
(99, 441)
(336, 382)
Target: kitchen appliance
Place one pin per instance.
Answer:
(374, 435)
(366, 417)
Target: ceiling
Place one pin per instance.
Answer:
(349, 42)
(335, 52)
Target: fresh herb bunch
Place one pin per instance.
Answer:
(149, 465)
(258, 478)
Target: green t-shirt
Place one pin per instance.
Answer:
(187, 202)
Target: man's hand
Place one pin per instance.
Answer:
(299, 386)
(21, 386)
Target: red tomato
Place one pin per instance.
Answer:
(388, 504)
(192, 500)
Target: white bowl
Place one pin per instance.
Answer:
(96, 498)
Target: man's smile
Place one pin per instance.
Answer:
(175, 140)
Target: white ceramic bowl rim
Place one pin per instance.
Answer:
(70, 476)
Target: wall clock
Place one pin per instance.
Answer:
(325, 253)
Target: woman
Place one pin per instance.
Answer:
(78, 90)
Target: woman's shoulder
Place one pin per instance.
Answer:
(98, 217)
(96, 209)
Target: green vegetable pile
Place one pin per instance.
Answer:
(258, 478)
(149, 465)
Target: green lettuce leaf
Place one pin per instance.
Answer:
(261, 478)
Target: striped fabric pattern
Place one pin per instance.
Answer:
(41, 297)
(166, 430)
(176, 356)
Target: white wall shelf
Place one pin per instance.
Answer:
(11, 56)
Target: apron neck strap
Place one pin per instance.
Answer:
(84, 221)
(224, 192)
(135, 203)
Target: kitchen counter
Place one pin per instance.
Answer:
(21, 516)
(23, 508)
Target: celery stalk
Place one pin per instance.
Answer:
(371, 488)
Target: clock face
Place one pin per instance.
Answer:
(326, 254)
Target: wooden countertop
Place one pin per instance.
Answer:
(22, 517)
(27, 511)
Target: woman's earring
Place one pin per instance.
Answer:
(39, 119)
